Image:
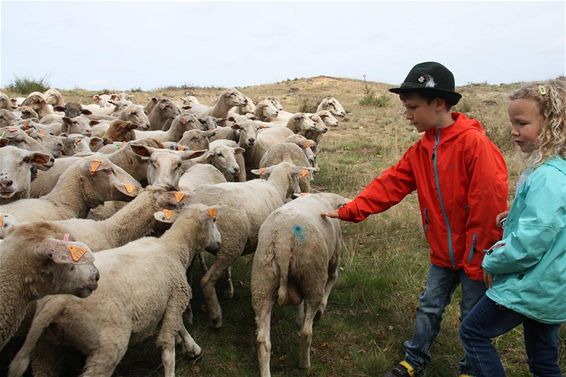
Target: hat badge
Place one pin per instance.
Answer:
(427, 79)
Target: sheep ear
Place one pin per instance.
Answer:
(167, 216)
(188, 155)
(86, 112)
(59, 108)
(65, 252)
(67, 120)
(260, 172)
(95, 143)
(124, 183)
(187, 107)
(235, 126)
(93, 122)
(309, 143)
(239, 150)
(131, 126)
(173, 199)
(300, 194)
(142, 150)
(37, 158)
(96, 165)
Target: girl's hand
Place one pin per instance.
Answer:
(487, 279)
(333, 214)
(499, 219)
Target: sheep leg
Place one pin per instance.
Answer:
(300, 318)
(332, 277)
(191, 347)
(47, 360)
(226, 288)
(208, 282)
(103, 360)
(306, 335)
(263, 322)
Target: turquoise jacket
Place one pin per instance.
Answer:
(529, 264)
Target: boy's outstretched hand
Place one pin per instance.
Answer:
(333, 214)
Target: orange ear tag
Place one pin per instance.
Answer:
(76, 252)
(1, 221)
(78, 140)
(179, 196)
(303, 173)
(167, 213)
(129, 188)
(94, 165)
(262, 171)
(181, 148)
(213, 212)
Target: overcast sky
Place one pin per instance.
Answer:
(133, 44)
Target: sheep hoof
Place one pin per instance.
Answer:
(216, 322)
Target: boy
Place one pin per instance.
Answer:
(461, 180)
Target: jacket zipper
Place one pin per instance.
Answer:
(473, 249)
(449, 231)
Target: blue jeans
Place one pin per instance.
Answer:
(489, 320)
(439, 288)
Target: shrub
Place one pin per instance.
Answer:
(370, 99)
(26, 85)
(307, 106)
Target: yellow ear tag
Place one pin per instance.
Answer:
(76, 252)
(78, 140)
(262, 171)
(25, 125)
(303, 173)
(167, 213)
(181, 148)
(307, 144)
(213, 212)
(94, 165)
(129, 188)
(179, 196)
(1, 221)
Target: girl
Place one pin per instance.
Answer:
(526, 270)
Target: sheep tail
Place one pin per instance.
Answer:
(43, 316)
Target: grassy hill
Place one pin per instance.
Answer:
(385, 259)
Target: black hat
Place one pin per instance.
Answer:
(430, 77)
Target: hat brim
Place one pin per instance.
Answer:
(451, 97)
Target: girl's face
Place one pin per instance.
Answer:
(526, 122)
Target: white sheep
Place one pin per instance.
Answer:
(142, 291)
(162, 114)
(84, 185)
(296, 260)
(200, 175)
(32, 265)
(16, 170)
(247, 204)
(331, 104)
(7, 222)
(227, 99)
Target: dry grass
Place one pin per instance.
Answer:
(385, 258)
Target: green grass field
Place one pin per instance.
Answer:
(384, 259)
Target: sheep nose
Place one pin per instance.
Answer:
(251, 141)
(324, 130)
(97, 276)
(236, 170)
(6, 183)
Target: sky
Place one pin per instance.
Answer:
(146, 45)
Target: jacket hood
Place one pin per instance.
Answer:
(461, 124)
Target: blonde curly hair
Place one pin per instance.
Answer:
(551, 99)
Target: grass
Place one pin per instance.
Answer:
(384, 259)
(26, 85)
(370, 99)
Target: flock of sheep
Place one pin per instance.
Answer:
(104, 207)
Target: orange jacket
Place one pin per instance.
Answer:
(461, 180)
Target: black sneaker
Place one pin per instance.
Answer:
(403, 369)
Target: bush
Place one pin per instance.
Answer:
(307, 106)
(370, 99)
(26, 85)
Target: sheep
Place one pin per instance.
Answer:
(248, 108)
(328, 118)
(331, 104)
(70, 110)
(266, 111)
(208, 122)
(247, 204)
(182, 122)
(28, 113)
(195, 139)
(80, 145)
(149, 106)
(131, 222)
(200, 175)
(7, 119)
(86, 184)
(33, 265)
(296, 260)
(121, 155)
(165, 166)
(53, 97)
(275, 103)
(119, 130)
(5, 102)
(130, 304)
(16, 171)
(18, 138)
(162, 114)
(227, 156)
(37, 102)
(227, 99)
(292, 153)
(53, 144)
(315, 132)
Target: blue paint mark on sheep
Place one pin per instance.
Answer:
(299, 233)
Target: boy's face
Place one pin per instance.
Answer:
(526, 122)
(421, 114)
